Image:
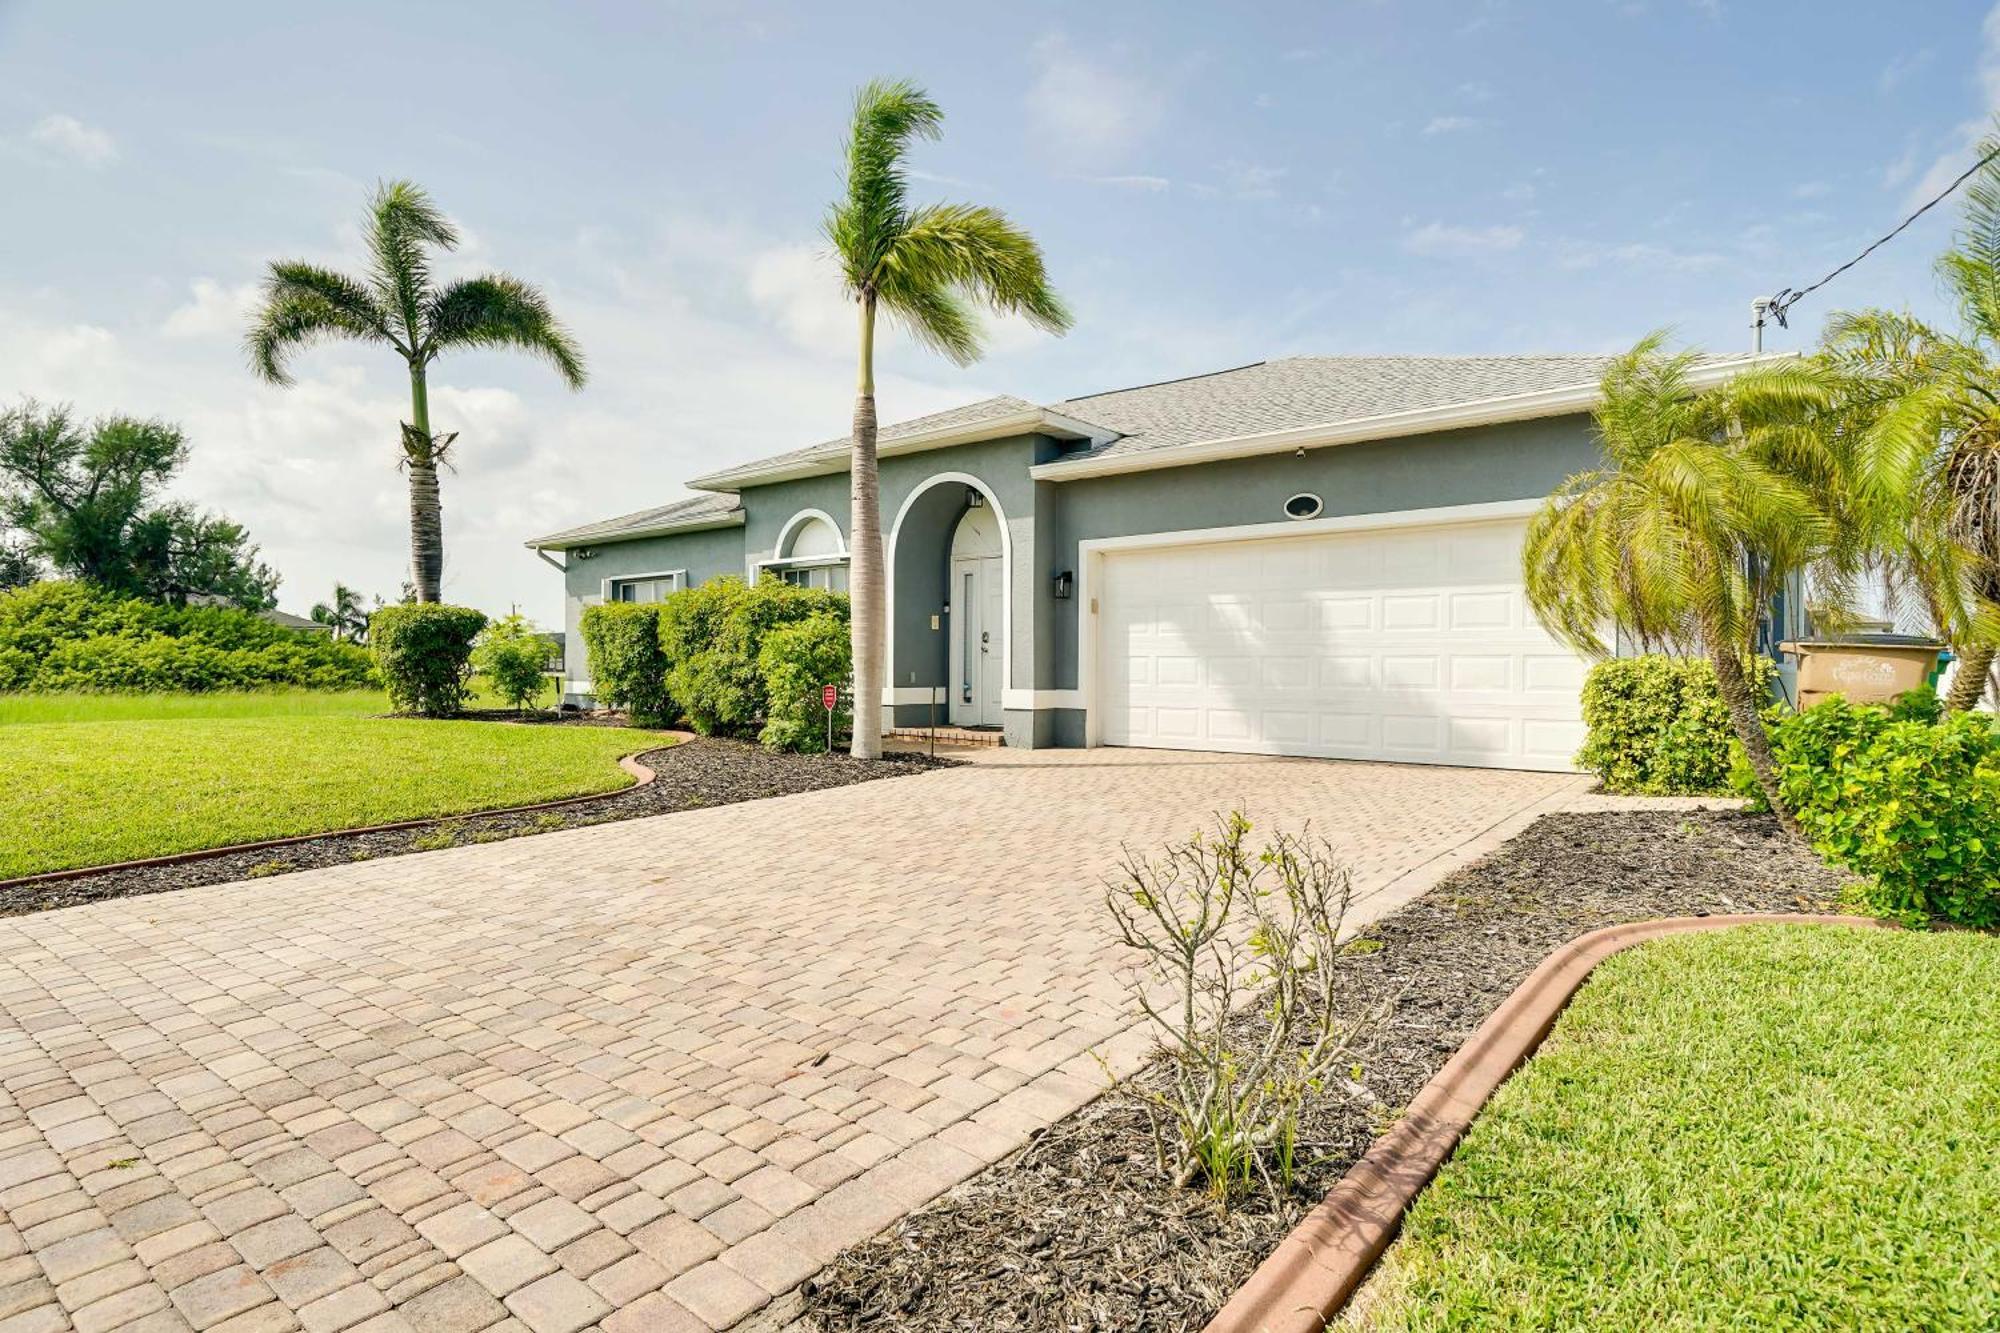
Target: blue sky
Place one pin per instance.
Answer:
(1212, 186)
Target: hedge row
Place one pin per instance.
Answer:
(70, 636)
(726, 656)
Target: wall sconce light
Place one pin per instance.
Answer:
(973, 498)
(1065, 585)
(584, 553)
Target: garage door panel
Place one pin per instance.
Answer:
(1411, 644)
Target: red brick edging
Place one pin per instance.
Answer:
(641, 776)
(1316, 1268)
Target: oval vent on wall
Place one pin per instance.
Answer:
(1303, 505)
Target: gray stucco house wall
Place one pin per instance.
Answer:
(1359, 436)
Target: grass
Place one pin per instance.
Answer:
(86, 780)
(1773, 1127)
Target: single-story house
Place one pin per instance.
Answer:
(1308, 556)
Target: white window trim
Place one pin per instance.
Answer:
(679, 576)
(1091, 553)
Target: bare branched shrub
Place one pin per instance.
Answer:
(1221, 927)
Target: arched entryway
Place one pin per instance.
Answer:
(949, 542)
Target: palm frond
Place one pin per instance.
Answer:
(498, 310)
(402, 223)
(939, 319)
(978, 251)
(864, 223)
(304, 304)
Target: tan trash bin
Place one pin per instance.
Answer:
(1861, 671)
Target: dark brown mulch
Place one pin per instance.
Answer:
(694, 773)
(1079, 1231)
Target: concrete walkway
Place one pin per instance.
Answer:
(642, 1076)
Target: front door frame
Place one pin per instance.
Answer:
(976, 651)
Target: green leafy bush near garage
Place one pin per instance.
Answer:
(1902, 796)
(1658, 726)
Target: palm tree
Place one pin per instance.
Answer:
(1706, 505)
(397, 304)
(927, 268)
(1929, 404)
(343, 615)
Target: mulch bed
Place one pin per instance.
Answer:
(1079, 1231)
(694, 773)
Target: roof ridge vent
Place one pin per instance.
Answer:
(1177, 379)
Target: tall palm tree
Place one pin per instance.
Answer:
(1931, 460)
(396, 304)
(1707, 503)
(928, 268)
(344, 615)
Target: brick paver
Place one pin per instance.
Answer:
(643, 1075)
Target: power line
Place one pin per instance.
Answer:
(1786, 298)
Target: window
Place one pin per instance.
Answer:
(832, 577)
(648, 588)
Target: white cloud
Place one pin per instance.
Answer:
(1452, 125)
(71, 138)
(212, 310)
(798, 288)
(1900, 69)
(1089, 110)
(1968, 133)
(1519, 193)
(1443, 240)
(1580, 255)
(1150, 184)
(1476, 91)
(1251, 180)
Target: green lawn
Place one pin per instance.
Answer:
(86, 780)
(1770, 1127)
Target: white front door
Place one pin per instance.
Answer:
(1410, 644)
(976, 627)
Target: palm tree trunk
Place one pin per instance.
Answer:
(866, 585)
(1747, 718)
(426, 511)
(1968, 686)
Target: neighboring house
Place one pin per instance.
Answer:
(290, 621)
(1313, 556)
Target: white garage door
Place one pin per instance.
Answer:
(1411, 644)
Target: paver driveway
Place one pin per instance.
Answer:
(648, 1075)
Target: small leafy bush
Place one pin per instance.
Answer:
(425, 654)
(1911, 804)
(712, 636)
(63, 635)
(513, 656)
(1658, 725)
(621, 643)
(1217, 924)
(797, 661)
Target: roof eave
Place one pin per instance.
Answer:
(1035, 421)
(565, 542)
(1564, 400)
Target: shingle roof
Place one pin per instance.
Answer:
(1312, 391)
(986, 409)
(695, 510)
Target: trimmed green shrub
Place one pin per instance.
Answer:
(71, 636)
(514, 658)
(711, 636)
(425, 653)
(797, 661)
(1658, 726)
(621, 644)
(1913, 805)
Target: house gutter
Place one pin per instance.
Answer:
(1562, 401)
(560, 543)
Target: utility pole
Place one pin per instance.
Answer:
(1758, 308)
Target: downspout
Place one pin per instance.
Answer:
(552, 563)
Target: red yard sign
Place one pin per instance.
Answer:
(829, 696)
